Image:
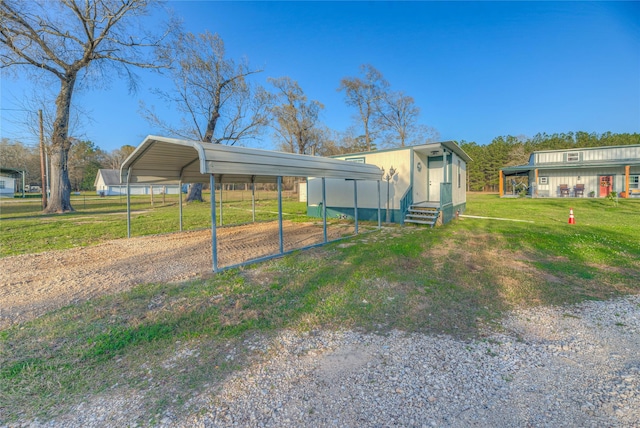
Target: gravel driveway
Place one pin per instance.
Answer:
(573, 366)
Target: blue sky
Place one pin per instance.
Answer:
(477, 70)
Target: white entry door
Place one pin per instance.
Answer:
(435, 178)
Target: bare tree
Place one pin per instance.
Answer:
(354, 142)
(116, 157)
(296, 119)
(365, 94)
(217, 103)
(398, 114)
(72, 41)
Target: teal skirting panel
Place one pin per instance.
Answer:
(364, 214)
(449, 212)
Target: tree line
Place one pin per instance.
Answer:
(85, 159)
(483, 171)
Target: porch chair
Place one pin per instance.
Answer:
(578, 190)
(564, 190)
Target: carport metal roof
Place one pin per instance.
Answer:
(167, 160)
(161, 160)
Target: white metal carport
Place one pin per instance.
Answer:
(164, 160)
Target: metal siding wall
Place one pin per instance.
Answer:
(420, 190)
(459, 193)
(553, 157)
(340, 193)
(368, 190)
(591, 155)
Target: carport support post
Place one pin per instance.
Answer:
(128, 204)
(280, 215)
(180, 203)
(253, 197)
(355, 203)
(213, 191)
(214, 236)
(324, 211)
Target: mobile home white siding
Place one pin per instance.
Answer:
(7, 186)
(421, 173)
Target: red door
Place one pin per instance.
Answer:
(606, 185)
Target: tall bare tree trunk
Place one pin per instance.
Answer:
(195, 191)
(60, 198)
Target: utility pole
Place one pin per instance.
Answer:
(42, 163)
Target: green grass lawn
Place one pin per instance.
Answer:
(24, 229)
(457, 280)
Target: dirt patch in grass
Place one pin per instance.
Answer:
(33, 284)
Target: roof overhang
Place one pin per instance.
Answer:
(11, 172)
(564, 166)
(438, 149)
(169, 160)
(430, 149)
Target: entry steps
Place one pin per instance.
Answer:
(423, 213)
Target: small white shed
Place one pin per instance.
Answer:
(9, 179)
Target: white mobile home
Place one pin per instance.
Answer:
(108, 183)
(10, 182)
(585, 172)
(420, 184)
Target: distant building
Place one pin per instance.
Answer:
(585, 172)
(10, 182)
(108, 183)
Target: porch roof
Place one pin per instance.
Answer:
(11, 172)
(512, 170)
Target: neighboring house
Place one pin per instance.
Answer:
(590, 171)
(10, 180)
(107, 183)
(429, 185)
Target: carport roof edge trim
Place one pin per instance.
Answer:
(223, 159)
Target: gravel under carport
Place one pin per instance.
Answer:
(33, 284)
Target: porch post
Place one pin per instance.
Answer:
(627, 179)
(214, 235)
(501, 184)
(355, 203)
(324, 210)
(444, 167)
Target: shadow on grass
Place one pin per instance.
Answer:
(453, 280)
